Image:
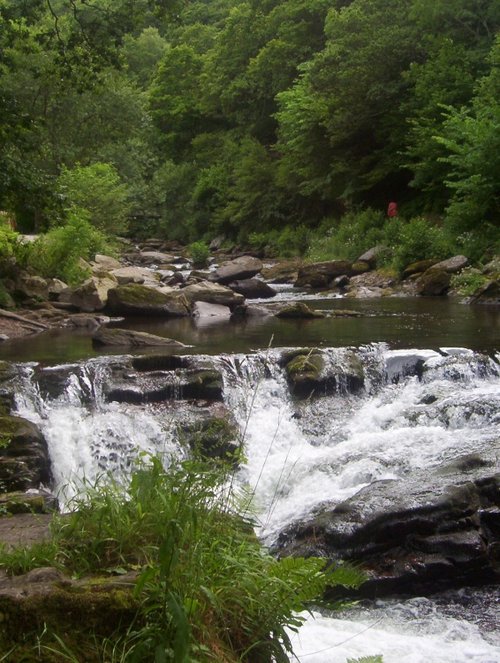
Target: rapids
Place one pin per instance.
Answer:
(417, 410)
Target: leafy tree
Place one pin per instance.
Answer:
(99, 191)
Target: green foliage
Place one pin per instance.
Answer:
(286, 243)
(97, 190)
(468, 281)
(58, 253)
(207, 589)
(355, 233)
(199, 253)
(418, 239)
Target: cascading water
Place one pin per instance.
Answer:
(417, 410)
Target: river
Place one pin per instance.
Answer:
(301, 455)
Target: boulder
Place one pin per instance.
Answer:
(309, 375)
(126, 275)
(55, 288)
(105, 263)
(131, 338)
(243, 267)
(493, 267)
(253, 289)
(24, 456)
(426, 532)
(299, 310)
(92, 295)
(282, 272)
(418, 267)
(215, 438)
(251, 311)
(155, 258)
(28, 286)
(321, 274)
(30, 501)
(370, 256)
(488, 293)
(214, 312)
(433, 283)
(452, 265)
(212, 293)
(137, 299)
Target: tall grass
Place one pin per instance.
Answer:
(206, 589)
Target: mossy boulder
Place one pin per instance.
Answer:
(33, 501)
(80, 611)
(131, 338)
(321, 274)
(299, 310)
(136, 299)
(24, 457)
(215, 438)
(434, 283)
(310, 375)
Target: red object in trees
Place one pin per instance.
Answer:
(392, 210)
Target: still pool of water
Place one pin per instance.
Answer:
(400, 322)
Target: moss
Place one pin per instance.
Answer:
(305, 364)
(140, 294)
(216, 438)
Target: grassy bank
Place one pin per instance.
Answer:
(201, 587)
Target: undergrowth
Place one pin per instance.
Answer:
(206, 589)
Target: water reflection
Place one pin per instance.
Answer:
(400, 322)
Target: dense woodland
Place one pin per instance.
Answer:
(269, 122)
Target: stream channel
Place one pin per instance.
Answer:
(429, 395)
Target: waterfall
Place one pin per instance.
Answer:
(413, 411)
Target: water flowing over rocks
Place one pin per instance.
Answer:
(388, 458)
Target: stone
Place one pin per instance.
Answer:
(452, 265)
(370, 256)
(299, 310)
(215, 312)
(126, 275)
(131, 338)
(105, 263)
(55, 288)
(28, 286)
(433, 283)
(493, 266)
(282, 272)
(215, 438)
(244, 267)
(30, 501)
(137, 299)
(321, 274)
(155, 258)
(488, 293)
(92, 295)
(24, 456)
(420, 534)
(310, 376)
(212, 293)
(253, 289)
(418, 267)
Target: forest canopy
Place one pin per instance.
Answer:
(244, 117)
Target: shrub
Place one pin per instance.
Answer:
(199, 253)
(415, 240)
(208, 590)
(99, 190)
(468, 281)
(348, 238)
(58, 253)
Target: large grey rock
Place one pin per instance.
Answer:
(137, 299)
(488, 293)
(24, 456)
(429, 531)
(92, 295)
(253, 289)
(105, 263)
(212, 293)
(155, 258)
(321, 274)
(433, 283)
(29, 286)
(131, 338)
(214, 312)
(126, 275)
(370, 256)
(452, 265)
(243, 267)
